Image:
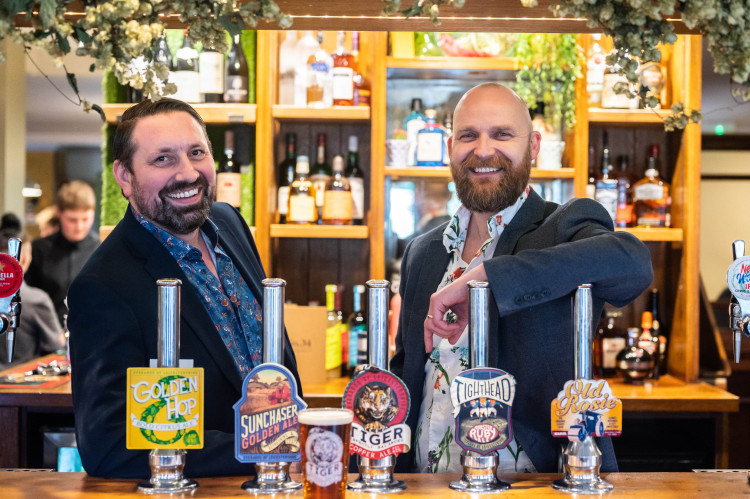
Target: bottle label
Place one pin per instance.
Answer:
(283, 200)
(337, 205)
(610, 348)
(188, 86)
(320, 187)
(343, 83)
(236, 90)
(302, 209)
(607, 197)
(355, 333)
(430, 147)
(647, 192)
(586, 408)
(229, 188)
(333, 347)
(211, 72)
(358, 197)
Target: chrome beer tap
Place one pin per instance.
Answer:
(10, 306)
(167, 465)
(479, 471)
(376, 475)
(271, 478)
(738, 282)
(583, 459)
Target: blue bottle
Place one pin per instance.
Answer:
(431, 142)
(413, 123)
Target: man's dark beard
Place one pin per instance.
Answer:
(491, 195)
(176, 220)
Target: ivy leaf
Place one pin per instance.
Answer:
(98, 109)
(72, 81)
(233, 24)
(81, 35)
(47, 11)
(62, 43)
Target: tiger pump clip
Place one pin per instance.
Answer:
(738, 282)
(167, 465)
(479, 469)
(272, 478)
(11, 276)
(376, 475)
(582, 458)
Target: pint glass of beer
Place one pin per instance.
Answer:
(325, 451)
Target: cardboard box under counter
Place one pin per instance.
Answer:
(306, 328)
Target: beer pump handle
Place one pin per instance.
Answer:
(273, 320)
(739, 307)
(10, 306)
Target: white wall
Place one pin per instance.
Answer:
(725, 214)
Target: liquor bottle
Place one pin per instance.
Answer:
(236, 79)
(362, 89)
(344, 67)
(591, 184)
(606, 185)
(306, 47)
(634, 363)
(357, 331)
(448, 131)
(319, 81)
(595, 66)
(211, 72)
(651, 195)
(333, 334)
(228, 178)
(624, 216)
(302, 196)
(658, 330)
(649, 342)
(610, 340)
(186, 75)
(430, 142)
(612, 100)
(163, 55)
(651, 81)
(319, 175)
(287, 64)
(356, 181)
(286, 176)
(413, 123)
(337, 198)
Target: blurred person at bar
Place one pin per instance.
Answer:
(57, 258)
(534, 254)
(39, 332)
(172, 228)
(47, 221)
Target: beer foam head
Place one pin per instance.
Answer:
(325, 416)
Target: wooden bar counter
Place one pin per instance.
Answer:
(17, 484)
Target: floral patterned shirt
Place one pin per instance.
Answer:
(234, 310)
(436, 450)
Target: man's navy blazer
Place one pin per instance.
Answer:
(113, 326)
(541, 258)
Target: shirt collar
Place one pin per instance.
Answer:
(178, 248)
(454, 235)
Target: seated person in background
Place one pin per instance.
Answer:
(47, 221)
(171, 229)
(39, 331)
(57, 259)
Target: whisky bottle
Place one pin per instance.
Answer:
(320, 172)
(658, 330)
(595, 66)
(343, 71)
(649, 342)
(319, 83)
(286, 176)
(362, 89)
(337, 198)
(624, 216)
(610, 341)
(651, 195)
(634, 363)
(357, 332)
(302, 196)
(356, 181)
(606, 185)
(228, 178)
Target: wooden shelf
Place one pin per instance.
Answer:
(628, 116)
(444, 172)
(656, 234)
(215, 114)
(335, 113)
(470, 63)
(320, 231)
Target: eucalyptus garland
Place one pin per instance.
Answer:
(115, 32)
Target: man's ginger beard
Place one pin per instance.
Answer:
(491, 194)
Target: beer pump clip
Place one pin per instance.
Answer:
(738, 282)
(266, 426)
(378, 436)
(482, 398)
(11, 277)
(599, 413)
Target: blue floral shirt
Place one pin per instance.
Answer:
(234, 310)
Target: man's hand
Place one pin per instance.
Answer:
(453, 297)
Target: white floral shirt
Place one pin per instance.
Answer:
(436, 450)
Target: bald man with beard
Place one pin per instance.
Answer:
(534, 254)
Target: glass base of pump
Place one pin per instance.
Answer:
(582, 461)
(376, 476)
(480, 474)
(167, 466)
(271, 478)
